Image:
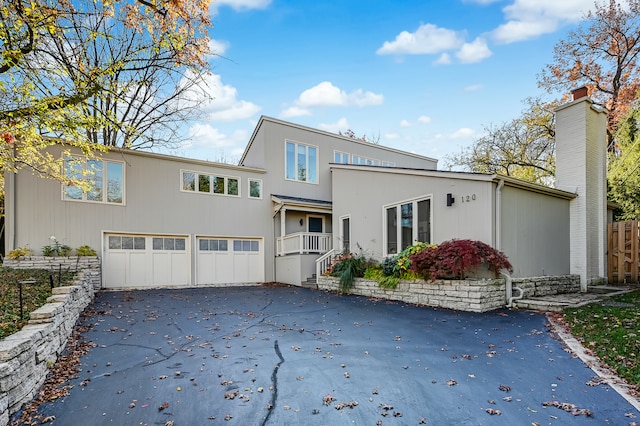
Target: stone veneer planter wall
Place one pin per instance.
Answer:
(25, 356)
(72, 263)
(465, 295)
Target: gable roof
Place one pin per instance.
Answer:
(264, 119)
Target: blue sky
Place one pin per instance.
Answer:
(421, 76)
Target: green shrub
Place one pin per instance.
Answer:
(56, 249)
(85, 251)
(20, 252)
(348, 267)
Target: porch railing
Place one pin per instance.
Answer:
(323, 262)
(303, 243)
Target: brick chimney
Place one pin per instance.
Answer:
(580, 92)
(581, 141)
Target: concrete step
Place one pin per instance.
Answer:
(559, 302)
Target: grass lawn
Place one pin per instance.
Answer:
(611, 329)
(33, 295)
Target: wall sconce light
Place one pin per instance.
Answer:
(450, 200)
(301, 222)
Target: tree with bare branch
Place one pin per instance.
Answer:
(601, 54)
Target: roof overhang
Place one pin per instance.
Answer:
(477, 177)
(300, 204)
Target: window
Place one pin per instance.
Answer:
(345, 233)
(255, 188)
(355, 159)
(246, 245)
(213, 245)
(117, 242)
(168, 243)
(340, 157)
(388, 164)
(105, 178)
(301, 162)
(210, 184)
(407, 223)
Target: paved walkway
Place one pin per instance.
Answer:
(293, 356)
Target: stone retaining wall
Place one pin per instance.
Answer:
(545, 286)
(25, 356)
(464, 295)
(71, 263)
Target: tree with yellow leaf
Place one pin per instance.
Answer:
(69, 68)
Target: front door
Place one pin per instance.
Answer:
(315, 224)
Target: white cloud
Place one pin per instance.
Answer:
(220, 101)
(340, 126)
(461, 133)
(239, 5)
(474, 52)
(326, 94)
(294, 111)
(423, 119)
(208, 143)
(218, 47)
(427, 39)
(528, 19)
(444, 59)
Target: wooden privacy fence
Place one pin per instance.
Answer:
(622, 251)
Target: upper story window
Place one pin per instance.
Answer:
(388, 164)
(105, 179)
(255, 188)
(301, 162)
(210, 184)
(340, 157)
(364, 161)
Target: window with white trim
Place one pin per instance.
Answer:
(105, 179)
(246, 245)
(301, 162)
(356, 159)
(345, 233)
(341, 157)
(206, 183)
(209, 244)
(255, 188)
(406, 223)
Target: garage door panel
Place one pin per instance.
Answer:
(142, 261)
(229, 260)
(137, 271)
(222, 271)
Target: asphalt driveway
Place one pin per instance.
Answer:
(293, 356)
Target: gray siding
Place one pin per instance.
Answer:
(267, 150)
(154, 204)
(535, 233)
(362, 195)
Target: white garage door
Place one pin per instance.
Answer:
(145, 261)
(229, 260)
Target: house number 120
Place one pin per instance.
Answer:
(468, 198)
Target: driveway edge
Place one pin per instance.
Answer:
(560, 328)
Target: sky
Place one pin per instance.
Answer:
(422, 76)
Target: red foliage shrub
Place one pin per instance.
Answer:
(455, 258)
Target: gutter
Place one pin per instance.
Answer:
(498, 235)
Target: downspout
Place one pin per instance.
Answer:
(498, 232)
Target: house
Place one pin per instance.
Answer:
(300, 195)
